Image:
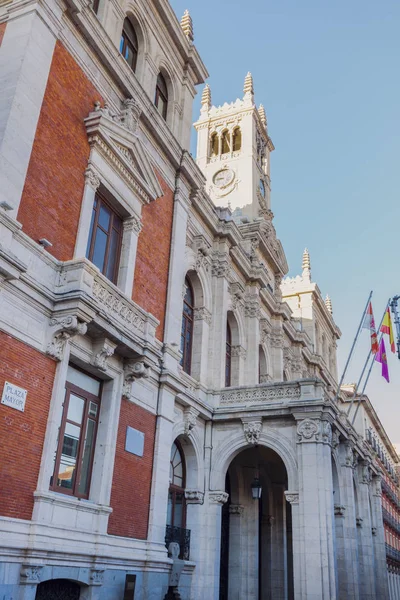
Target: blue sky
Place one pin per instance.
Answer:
(328, 76)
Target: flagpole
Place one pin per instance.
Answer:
(353, 346)
(365, 366)
(365, 384)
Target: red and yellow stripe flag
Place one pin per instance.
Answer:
(386, 327)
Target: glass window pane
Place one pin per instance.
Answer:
(93, 409)
(87, 457)
(104, 217)
(84, 381)
(91, 230)
(121, 44)
(75, 408)
(169, 509)
(99, 251)
(69, 455)
(161, 105)
(178, 512)
(112, 255)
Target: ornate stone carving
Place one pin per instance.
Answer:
(276, 339)
(365, 472)
(252, 308)
(348, 455)
(252, 431)
(374, 530)
(97, 576)
(308, 431)
(237, 293)
(133, 370)
(292, 497)
(115, 304)
(326, 432)
(202, 314)
(134, 223)
(30, 574)
(272, 393)
(265, 330)
(335, 439)
(218, 497)
(265, 378)
(194, 497)
(190, 419)
(344, 420)
(129, 115)
(359, 521)
(377, 485)
(63, 329)
(220, 269)
(103, 350)
(92, 178)
(236, 509)
(339, 510)
(238, 351)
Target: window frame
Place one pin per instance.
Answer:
(174, 489)
(129, 41)
(94, 225)
(163, 95)
(236, 136)
(87, 397)
(186, 361)
(228, 356)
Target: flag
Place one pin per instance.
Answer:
(382, 358)
(369, 323)
(386, 327)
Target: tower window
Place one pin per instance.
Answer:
(129, 44)
(225, 142)
(237, 140)
(214, 145)
(161, 99)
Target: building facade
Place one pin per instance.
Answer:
(162, 381)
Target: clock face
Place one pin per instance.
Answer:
(223, 178)
(262, 188)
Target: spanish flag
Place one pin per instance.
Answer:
(386, 327)
(369, 323)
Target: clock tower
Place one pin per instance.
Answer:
(233, 151)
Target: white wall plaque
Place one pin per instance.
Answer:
(14, 396)
(134, 441)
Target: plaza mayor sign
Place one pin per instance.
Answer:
(14, 396)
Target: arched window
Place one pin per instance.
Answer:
(214, 145)
(161, 99)
(228, 356)
(187, 328)
(237, 140)
(176, 514)
(225, 142)
(129, 44)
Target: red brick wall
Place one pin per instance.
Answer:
(152, 260)
(52, 196)
(130, 495)
(2, 31)
(22, 433)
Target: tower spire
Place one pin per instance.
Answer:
(263, 116)
(187, 25)
(328, 303)
(248, 87)
(206, 98)
(306, 265)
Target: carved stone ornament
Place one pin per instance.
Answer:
(220, 269)
(359, 521)
(236, 509)
(63, 329)
(134, 223)
(238, 351)
(377, 486)
(339, 510)
(129, 115)
(348, 455)
(134, 370)
(218, 497)
(102, 350)
(92, 178)
(335, 439)
(308, 431)
(202, 260)
(365, 472)
(326, 430)
(276, 340)
(374, 530)
(252, 308)
(190, 419)
(251, 395)
(194, 497)
(252, 431)
(292, 497)
(30, 574)
(237, 293)
(202, 314)
(96, 576)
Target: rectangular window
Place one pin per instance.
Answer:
(77, 435)
(130, 582)
(105, 238)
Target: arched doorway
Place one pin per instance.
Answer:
(259, 531)
(58, 589)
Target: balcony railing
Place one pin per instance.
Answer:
(389, 492)
(391, 520)
(392, 553)
(180, 536)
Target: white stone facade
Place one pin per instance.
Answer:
(317, 532)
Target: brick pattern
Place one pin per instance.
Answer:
(153, 253)
(22, 433)
(2, 31)
(130, 495)
(52, 196)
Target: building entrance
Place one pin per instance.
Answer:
(58, 589)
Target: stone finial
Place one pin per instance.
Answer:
(328, 303)
(248, 87)
(187, 25)
(306, 265)
(206, 97)
(263, 116)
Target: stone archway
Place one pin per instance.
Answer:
(58, 589)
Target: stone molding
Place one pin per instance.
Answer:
(194, 497)
(62, 329)
(202, 314)
(218, 497)
(220, 268)
(96, 576)
(92, 177)
(272, 392)
(377, 486)
(133, 223)
(102, 350)
(252, 431)
(190, 419)
(314, 430)
(276, 340)
(239, 351)
(30, 574)
(236, 509)
(292, 497)
(134, 369)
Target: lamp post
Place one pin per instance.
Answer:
(256, 488)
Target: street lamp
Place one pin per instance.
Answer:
(256, 488)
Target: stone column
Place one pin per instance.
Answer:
(278, 545)
(235, 550)
(201, 333)
(276, 342)
(315, 526)
(345, 518)
(26, 53)
(92, 182)
(132, 228)
(297, 545)
(252, 314)
(378, 539)
(216, 370)
(364, 527)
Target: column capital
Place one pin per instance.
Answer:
(194, 497)
(92, 177)
(292, 497)
(314, 430)
(218, 497)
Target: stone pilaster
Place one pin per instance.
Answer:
(378, 539)
(364, 534)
